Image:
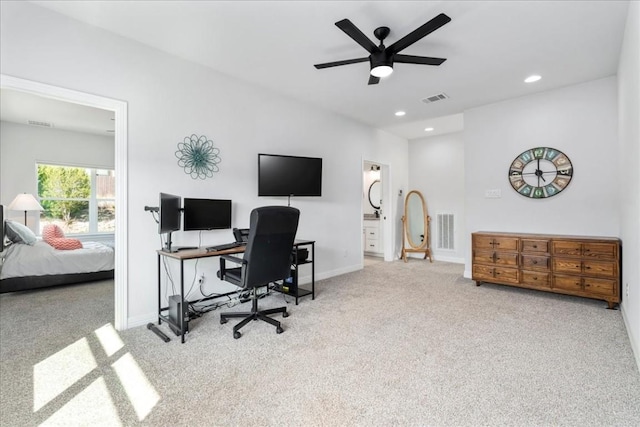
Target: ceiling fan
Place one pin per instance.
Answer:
(381, 58)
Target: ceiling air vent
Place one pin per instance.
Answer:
(434, 98)
(41, 124)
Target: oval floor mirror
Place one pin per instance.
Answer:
(415, 224)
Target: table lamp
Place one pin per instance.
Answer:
(25, 202)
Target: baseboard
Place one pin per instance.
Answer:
(134, 322)
(451, 259)
(467, 274)
(635, 346)
(337, 272)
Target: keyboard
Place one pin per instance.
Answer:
(223, 247)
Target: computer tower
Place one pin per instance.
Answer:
(175, 310)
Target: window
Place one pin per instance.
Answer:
(79, 200)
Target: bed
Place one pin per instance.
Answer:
(39, 265)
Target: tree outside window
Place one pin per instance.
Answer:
(79, 200)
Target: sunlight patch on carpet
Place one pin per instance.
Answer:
(142, 395)
(58, 372)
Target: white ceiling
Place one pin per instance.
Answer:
(23, 108)
(490, 46)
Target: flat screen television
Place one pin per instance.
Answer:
(206, 214)
(169, 213)
(280, 175)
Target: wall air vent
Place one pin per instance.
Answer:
(41, 124)
(434, 98)
(445, 231)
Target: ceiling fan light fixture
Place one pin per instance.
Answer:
(382, 71)
(532, 78)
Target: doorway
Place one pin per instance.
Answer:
(377, 212)
(119, 109)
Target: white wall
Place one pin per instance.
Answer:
(629, 128)
(581, 121)
(22, 146)
(437, 170)
(168, 99)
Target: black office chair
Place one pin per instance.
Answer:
(267, 258)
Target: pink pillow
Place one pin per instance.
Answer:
(64, 243)
(51, 231)
(53, 235)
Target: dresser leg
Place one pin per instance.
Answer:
(611, 305)
(478, 282)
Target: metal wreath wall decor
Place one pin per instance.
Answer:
(198, 157)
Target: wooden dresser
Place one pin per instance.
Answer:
(572, 265)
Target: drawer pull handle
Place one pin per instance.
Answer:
(535, 262)
(587, 267)
(535, 246)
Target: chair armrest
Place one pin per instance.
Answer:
(223, 265)
(232, 259)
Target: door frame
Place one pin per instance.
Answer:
(388, 213)
(120, 139)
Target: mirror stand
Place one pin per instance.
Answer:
(416, 237)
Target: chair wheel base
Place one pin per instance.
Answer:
(223, 321)
(279, 330)
(237, 335)
(285, 314)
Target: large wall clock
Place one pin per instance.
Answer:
(540, 172)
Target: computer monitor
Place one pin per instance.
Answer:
(206, 214)
(169, 213)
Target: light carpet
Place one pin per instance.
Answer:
(394, 344)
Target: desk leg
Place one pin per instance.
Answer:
(313, 271)
(159, 291)
(181, 311)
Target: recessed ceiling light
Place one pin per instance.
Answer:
(428, 129)
(400, 113)
(533, 78)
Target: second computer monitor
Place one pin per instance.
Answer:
(206, 214)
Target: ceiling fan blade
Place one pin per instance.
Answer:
(411, 59)
(357, 35)
(419, 33)
(337, 63)
(373, 80)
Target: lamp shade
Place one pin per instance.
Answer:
(25, 202)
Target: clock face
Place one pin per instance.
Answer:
(540, 172)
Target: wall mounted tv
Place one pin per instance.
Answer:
(280, 175)
(206, 214)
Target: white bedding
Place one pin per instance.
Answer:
(42, 259)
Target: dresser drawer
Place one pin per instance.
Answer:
(569, 283)
(533, 262)
(586, 249)
(567, 248)
(495, 258)
(482, 272)
(535, 246)
(599, 268)
(497, 243)
(600, 286)
(536, 278)
(600, 250)
(507, 275)
(371, 233)
(567, 265)
(498, 274)
(371, 245)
